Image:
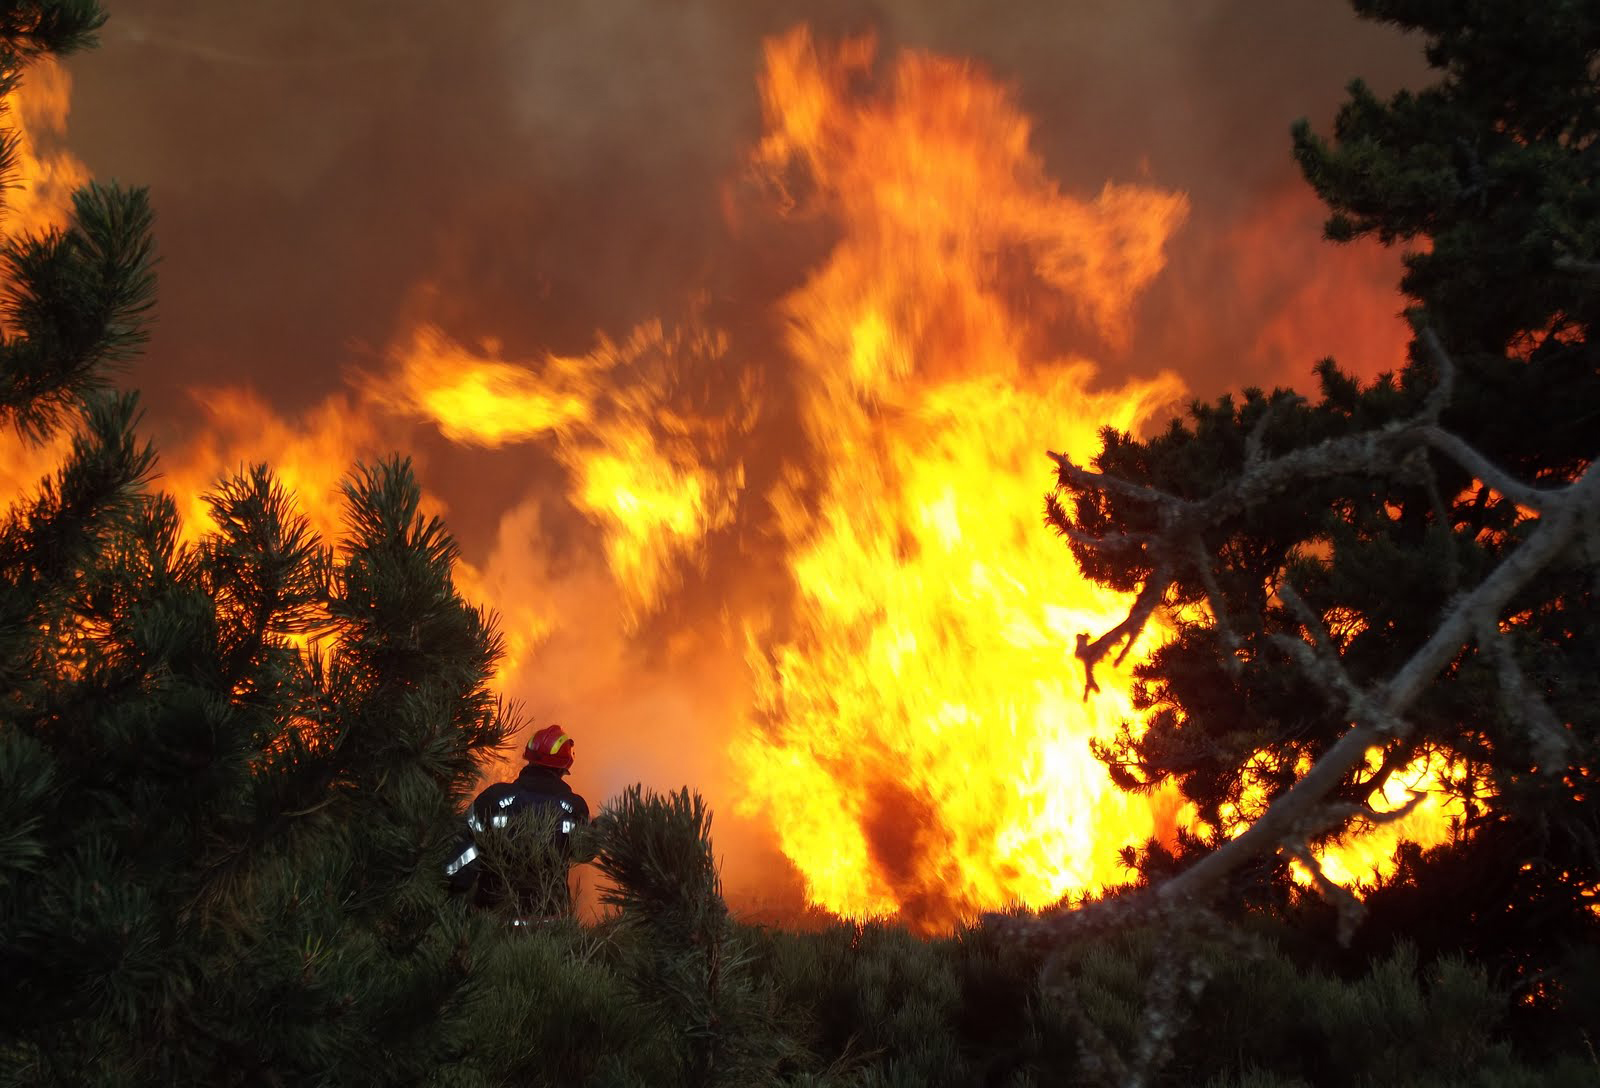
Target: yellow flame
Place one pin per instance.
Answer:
(478, 399)
(1367, 854)
(654, 481)
(925, 741)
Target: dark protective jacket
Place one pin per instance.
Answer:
(535, 788)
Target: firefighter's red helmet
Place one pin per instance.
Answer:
(549, 747)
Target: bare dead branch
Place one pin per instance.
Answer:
(1591, 538)
(1574, 266)
(1321, 641)
(1201, 564)
(1376, 452)
(1069, 474)
(1350, 909)
(1322, 666)
(1554, 532)
(1522, 703)
(1483, 469)
(1439, 396)
(1332, 682)
(1127, 632)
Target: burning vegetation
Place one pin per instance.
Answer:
(807, 533)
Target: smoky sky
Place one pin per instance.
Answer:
(536, 171)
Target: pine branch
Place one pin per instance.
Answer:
(78, 303)
(29, 28)
(1178, 543)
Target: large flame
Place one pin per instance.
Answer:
(925, 741)
(905, 711)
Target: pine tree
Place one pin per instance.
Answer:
(687, 965)
(1340, 561)
(229, 771)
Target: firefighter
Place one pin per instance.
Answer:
(540, 789)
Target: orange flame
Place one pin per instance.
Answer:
(39, 196)
(309, 455)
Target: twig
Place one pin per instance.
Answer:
(1110, 543)
(1397, 756)
(1144, 606)
(1394, 815)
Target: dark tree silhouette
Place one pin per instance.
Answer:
(1407, 567)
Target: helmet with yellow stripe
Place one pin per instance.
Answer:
(549, 747)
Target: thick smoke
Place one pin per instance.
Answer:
(552, 169)
(328, 176)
